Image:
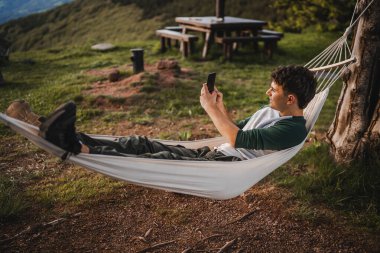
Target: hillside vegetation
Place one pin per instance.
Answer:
(86, 22)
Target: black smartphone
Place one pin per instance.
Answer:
(211, 81)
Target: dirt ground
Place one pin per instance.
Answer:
(133, 219)
(137, 219)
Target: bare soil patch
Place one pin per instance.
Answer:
(165, 72)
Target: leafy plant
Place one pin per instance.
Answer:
(184, 135)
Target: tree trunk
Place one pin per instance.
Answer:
(355, 131)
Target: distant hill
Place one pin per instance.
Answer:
(83, 22)
(13, 9)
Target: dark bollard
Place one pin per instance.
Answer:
(220, 9)
(138, 60)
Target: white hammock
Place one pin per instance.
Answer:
(210, 179)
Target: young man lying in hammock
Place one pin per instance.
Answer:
(277, 127)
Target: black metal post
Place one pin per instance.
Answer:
(220, 9)
(138, 60)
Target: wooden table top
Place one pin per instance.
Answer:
(227, 23)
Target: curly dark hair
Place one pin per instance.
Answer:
(297, 80)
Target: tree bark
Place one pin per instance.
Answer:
(355, 131)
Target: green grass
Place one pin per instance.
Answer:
(314, 177)
(72, 188)
(12, 200)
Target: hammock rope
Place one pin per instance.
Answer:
(210, 179)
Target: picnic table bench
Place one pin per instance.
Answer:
(174, 28)
(186, 40)
(270, 43)
(270, 32)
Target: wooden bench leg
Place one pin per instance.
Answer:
(169, 42)
(268, 47)
(185, 50)
(227, 48)
(163, 47)
(191, 47)
(256, 46)
(207, 44)
(181, 47)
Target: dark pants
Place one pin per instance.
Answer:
(141, 146)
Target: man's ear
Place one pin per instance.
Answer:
(292, 99)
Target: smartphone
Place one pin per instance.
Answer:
(211, 81)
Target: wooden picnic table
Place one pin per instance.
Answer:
(212, 25)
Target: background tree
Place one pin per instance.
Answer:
(355, 131)
(324, 15)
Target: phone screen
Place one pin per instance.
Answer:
(211, 81)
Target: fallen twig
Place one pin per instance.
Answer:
(227, 246)
(36, 227)
(200, 241)
(199, 231)
(17, 235)
(145, 237)
(54, 222)
(156, 246)
(242, 217)
(141, 238)
(148, 233)
(211, 236)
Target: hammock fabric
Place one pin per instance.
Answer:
(216, 180)
(210, 179)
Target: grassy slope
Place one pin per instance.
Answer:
(93, 23)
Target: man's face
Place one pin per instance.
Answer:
(277, 97)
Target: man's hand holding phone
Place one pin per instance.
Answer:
(211, 82)
(209, 94)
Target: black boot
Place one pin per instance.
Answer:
(59, 128)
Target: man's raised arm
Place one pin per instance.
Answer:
(218, 114)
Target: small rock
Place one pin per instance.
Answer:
(103, 47)
(114, 76)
